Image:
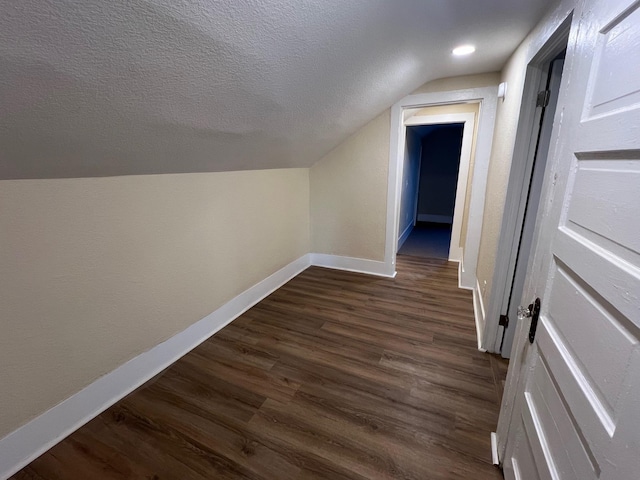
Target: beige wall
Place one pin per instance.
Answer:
(97, 271)
(499, 168)
(349, 185)
(349, 194)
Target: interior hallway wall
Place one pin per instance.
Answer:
(348, 186)
(98, 270)
(410, 181)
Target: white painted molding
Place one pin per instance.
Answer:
(405, 235)
(455, 255)
(31, 440)
(460, 272)
(488, 99)
(351, 264)
(479, 314)
(429, 217)
(494, 449)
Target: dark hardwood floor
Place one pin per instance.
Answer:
(336, 375)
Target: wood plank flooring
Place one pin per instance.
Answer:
(336, 376)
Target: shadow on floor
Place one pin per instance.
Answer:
(428, 240)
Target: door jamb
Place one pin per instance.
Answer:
(545, 54)
(524, 148)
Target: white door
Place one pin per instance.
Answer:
(576, 409)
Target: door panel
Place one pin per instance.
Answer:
(537, 440)
(613, 84)
(571, 457)
(579, 395)
(604, 367)
(603, 201)
(523, 465)
(615, 279)
(591, 415)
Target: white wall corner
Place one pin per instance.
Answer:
(351, 264)
(31, 440)
(479, 314)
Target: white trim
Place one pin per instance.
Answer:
(430, 217)
(479, 314)
(460, 272)
(494, 449)
(405, 235)
(351, 264)
(487, 97)
(31, 440)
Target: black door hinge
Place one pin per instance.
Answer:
(543, 98)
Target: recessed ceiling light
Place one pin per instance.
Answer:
(464, 50)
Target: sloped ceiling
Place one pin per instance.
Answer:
(114, 87)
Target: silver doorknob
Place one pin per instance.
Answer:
(523, 312)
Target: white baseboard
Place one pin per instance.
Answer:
(460, 273)
(31, 440)
(455, 255)
(494, 449)
(478, 313)
(351, 264)
(405, 235)
(428, 217)
(466, 279)
(478, 306)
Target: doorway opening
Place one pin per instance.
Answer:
(432, 161)
(436, 173)
(402, 112)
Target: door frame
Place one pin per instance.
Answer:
(468, 121)
(520, 174)
(487, 97)
(526, 137)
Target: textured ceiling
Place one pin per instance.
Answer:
(96, 87)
